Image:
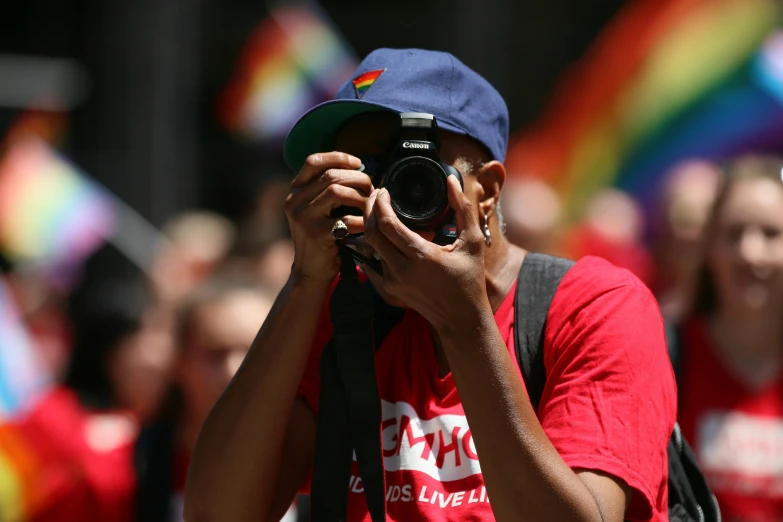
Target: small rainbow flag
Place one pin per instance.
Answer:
(293, 60)
(50, 212)
(23, 376)
(667, 80)
(35, 482)
(363, 82)
(22, 476)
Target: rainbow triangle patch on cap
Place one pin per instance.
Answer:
(365, 80)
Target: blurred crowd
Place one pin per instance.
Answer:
(140, 356)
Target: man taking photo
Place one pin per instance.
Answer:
(461, 439)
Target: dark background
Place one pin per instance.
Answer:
(147, 128)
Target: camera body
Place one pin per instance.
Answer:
(416, 178)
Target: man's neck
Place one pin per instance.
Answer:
(502, 262)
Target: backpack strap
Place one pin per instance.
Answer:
(538, 281)
(687, 485)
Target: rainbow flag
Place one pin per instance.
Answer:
(365, 81)
(23, 483)
(23, 376)
(50, 212)
(293, 60)
(667, 80)
(35, 483)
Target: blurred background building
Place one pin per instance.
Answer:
(142, 79)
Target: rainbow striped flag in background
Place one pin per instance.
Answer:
(293, 60)
(51, 213)
(23, 376)
(22, 482)
(667, 80)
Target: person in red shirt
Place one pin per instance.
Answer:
(81, 434)
(731, 389)
(461, 440)
(216, 325)
(687, 195)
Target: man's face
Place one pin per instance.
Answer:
(221, 334)
(372, 134)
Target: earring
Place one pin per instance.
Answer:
(485, 231)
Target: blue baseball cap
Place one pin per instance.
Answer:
(406, 80)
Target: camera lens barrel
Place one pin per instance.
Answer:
(417, 189)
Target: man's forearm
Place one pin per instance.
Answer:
(526, 478)
(238, 454)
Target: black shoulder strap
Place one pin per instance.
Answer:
(538, 281)
(349, 412)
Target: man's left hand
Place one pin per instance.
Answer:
(442, 283)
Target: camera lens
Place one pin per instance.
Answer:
(416, 192)
(417, 189)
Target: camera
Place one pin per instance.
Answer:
(416, 178)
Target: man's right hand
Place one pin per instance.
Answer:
(326, 181)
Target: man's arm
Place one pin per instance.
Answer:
(258, 442)
(523, 471)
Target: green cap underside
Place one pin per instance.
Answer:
(316, 131)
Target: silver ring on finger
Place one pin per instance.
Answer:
(339, 229)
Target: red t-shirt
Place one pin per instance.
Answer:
(736, 432)
(609, 403)
(73, 464)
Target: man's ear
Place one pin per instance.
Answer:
(491, 176)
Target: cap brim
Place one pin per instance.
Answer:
(316, 130)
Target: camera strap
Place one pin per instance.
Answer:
(349, 412)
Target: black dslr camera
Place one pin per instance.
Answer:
(416, 178)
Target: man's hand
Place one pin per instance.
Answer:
(327, 181)
(442, 283)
